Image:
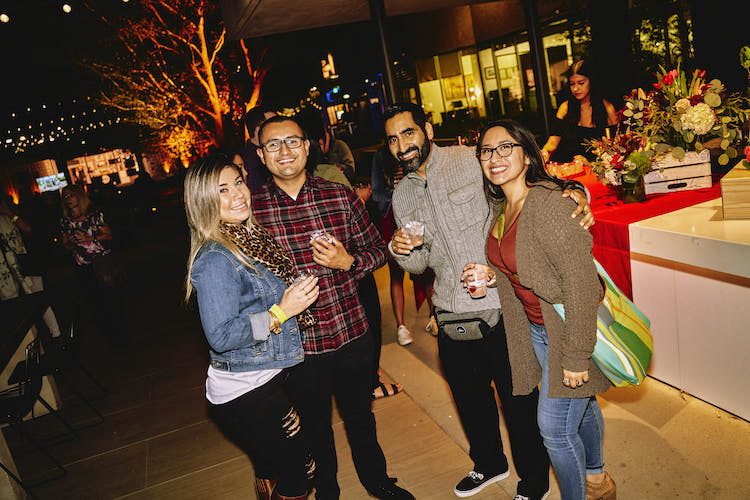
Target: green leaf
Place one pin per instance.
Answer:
(731, 152)
(627, 113)
(688, 135)
(712, 99)
(638, 115)
(661, 147)
(640, 105)
(698, 146)
(723, 159)
(716, 84)
(629, 105)
(746, 164)
(678, 153)
(725, 144)
(726, 119)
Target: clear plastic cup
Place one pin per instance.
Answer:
(302, 276)
(319, 233)
(477, 288)
(414, 230)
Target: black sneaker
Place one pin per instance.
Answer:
(389, 491)
(476, 482)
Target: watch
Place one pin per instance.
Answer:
(353, 267)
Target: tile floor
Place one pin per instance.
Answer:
(158, 443)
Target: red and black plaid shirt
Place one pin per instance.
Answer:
(324, 205)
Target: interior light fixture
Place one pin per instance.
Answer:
(4, 17)
(66, 8)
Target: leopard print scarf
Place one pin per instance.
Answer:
(258, 244)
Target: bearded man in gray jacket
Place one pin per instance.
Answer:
(443, 189)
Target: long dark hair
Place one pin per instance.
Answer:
(536, 172)
(598, 111)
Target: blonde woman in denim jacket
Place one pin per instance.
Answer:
(252, 311)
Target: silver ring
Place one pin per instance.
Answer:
(566, 381)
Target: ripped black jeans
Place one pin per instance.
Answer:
(267, 427)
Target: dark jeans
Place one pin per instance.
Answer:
(470, 367)
(347, 372)
(105, 303)
(266, 426)
(368, 297)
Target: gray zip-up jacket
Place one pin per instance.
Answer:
(455, 212)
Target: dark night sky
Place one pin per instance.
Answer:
(46, 47)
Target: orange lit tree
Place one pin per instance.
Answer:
(175, 74)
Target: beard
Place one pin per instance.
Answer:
(413, 164)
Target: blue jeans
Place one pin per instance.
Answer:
(572, 429)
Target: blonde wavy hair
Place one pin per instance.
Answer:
(84, 202)
(202, 209)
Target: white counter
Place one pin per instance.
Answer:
(691, 277)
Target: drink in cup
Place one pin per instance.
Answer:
(414, 230)
(302, 276)
(477, 287)
(319, 233)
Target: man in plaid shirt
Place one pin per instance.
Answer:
(338, 352)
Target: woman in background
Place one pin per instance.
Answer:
(541, 256)
(252, 311)
(583, 116)
(87, 235)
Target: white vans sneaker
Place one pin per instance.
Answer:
(404, 336)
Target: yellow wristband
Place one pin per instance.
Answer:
(276, 311)
(14, 219)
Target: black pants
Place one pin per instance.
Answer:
(470, 367)
(347, 372)
(266, 426)
(368, 297)
(105, 303)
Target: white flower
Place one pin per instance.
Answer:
(682, 105)
(612, 177)
(699, 118)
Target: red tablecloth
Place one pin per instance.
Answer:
(611, 237)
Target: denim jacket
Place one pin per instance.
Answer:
(233, 301)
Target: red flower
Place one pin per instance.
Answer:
(701, 73)
(657, 86)
(747, 153)
(695, 99)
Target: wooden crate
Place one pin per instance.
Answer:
(735, 193)
(670, 174)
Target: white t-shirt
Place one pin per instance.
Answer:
(223, 386)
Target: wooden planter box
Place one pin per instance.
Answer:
(735, 193)
(670, 174)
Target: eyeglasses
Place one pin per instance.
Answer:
(503, 151)
(292, 142)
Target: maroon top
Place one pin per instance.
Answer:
(504, 258)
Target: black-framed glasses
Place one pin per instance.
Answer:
(292, 142)
(503, 150)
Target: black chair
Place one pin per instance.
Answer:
(18, 401)
(61, 357)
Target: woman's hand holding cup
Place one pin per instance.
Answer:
(476, 278)
(299, 295)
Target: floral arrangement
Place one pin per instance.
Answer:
(690, 115)
(678, 115)
(620, 158)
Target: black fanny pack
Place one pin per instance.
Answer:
(461, 326)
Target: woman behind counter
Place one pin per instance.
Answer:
(584, 116)
(545, 258)
(252, 311)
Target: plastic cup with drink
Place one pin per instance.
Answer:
(414, 230)
(476, 287)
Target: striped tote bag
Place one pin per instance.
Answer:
(624, 344)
